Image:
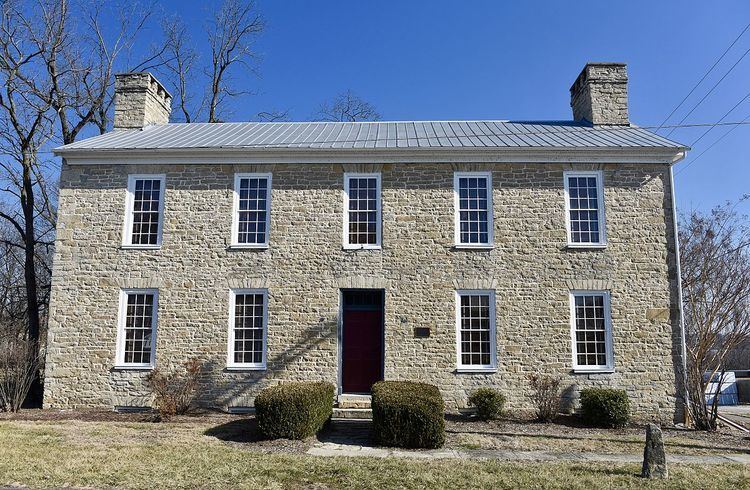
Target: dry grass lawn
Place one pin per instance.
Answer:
(181, 455)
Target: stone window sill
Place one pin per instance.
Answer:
(126, 367)
(235, 369)
(470, 370)
(261, 246)
(464, 246)
(586, 246)
(140, 247)
(593, 371)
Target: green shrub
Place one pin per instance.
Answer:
(294, 410)
(605, 407)
(407, 414)
(489, 403)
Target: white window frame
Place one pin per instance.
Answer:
(248, 366)
(598, 174)
(121, 317)
(457, 211)
(379, 218)
(127, 229)
(236, 209)
(608, 342)
(473, 368)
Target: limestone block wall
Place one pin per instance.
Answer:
(305, 267)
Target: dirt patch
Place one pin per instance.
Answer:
(244, 433)
(568, 435)
(100, 415)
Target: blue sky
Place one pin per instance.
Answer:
(509, 60)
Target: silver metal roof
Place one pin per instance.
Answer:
(355, 135)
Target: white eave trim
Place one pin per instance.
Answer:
(372, 155)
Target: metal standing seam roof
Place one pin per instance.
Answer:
(374, 135)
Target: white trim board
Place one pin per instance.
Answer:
(229, 156)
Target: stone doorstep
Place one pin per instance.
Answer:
(354, 401)
(352, 413)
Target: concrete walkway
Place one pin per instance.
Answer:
(351, 438)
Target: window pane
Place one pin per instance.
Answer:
(584, 211)
(475, 329)
(248, 328)
(146, 198)
(590, 330)
(252, 210)
(473, 210)
(139, 328)
(363, 211)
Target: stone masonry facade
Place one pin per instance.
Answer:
(304, 268)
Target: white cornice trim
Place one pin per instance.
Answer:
(193, 156)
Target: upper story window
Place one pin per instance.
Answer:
(136, 337)
(362, 213)
(473, 208)
(591, 331)
(248, 321)
(475, 330)
(584, 205)
(144, 211)
(252, 210)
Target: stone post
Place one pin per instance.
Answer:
(654, 457)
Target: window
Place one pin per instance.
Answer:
(136, 343)
(362, 211)
(252, 210)
(473, 204)
(584, 205)
(475, 326)
(591, 331)
(248, 319)
(144, 211)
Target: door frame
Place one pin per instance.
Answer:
(340, 336)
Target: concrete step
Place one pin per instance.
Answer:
(354, 401)
(352, 413)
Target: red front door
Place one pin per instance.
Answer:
(362, 342)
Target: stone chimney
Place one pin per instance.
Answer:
(140, 100)
(600, 94)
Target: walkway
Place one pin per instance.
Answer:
(351, 438)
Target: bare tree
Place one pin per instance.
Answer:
(25, 126)
(715, 258)
(347, 107)
(230, 35)
(179, 62)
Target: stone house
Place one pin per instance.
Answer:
(460, 253)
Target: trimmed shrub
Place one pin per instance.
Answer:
(605, 407)
(294, 410)
(545, 396)
(489, 403)
(407, 414)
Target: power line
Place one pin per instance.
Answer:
(722, 118)
(712, 89)
(688, 164)
(703, 77)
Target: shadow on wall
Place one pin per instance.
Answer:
(222, 388)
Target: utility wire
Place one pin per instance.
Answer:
(711, 90)
(726, 133)
(722, 118)
(703, 77)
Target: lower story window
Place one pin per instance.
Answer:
(475, 325)
(247, 328)
(137, 329)
(591, 331)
